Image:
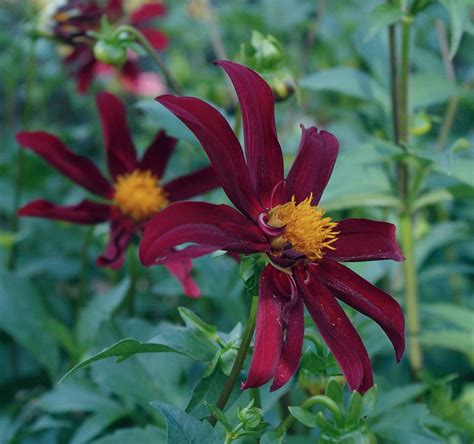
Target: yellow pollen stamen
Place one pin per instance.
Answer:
(139, 194)
(305, 228)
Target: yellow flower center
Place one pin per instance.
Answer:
(305, 228)
(139, 194)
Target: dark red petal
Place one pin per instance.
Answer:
(313, 165)
(121, 233)
(268, 333)
(222, 148)
(210, 227)
(365, 240)
(121, 155)
(147, 11)
(84, 76)
(114, 9)
(199, 182)
(367, 299)
(262, 149)
(182, 272)
(158, 153)
(293, 317)
(85, 212)
(337, 331)
(157, 39)
(78, 168)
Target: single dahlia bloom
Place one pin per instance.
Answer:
(135, 191)
(282, 219)
(70, 22)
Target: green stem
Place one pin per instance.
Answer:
(401, 113)
(310, 402)
(239, 360)
(84, 266)
(170, 80)
(30, 70)
(133, 274)
(257, 400)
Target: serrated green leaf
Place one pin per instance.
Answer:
(185, 429)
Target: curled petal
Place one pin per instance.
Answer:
(86, 212)
(365, 240)
(121, 155)
(367, 299)
(121, 233)
(313, 165)
(199, 182)
(209, 227)
(268, 333)
(262, 149)
(222, 148)
(181, 270)
(148, 11)
(158, 153)
(337, 331)
(78, 168)
(293, 318)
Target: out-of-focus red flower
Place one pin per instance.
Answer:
(70, 22)
(280, 217)
(135, 190)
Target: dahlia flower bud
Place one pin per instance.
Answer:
(250, 416)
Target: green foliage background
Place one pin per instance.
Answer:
(57, 308)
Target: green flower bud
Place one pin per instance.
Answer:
(110, 53)
(250, 416)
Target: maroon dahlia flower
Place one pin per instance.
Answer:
(72, 21)
(135, 192)
(280, 217)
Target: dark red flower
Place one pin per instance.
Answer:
(71, 23)
(280, 217)
(135, 191)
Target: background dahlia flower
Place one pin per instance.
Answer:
(134, 193)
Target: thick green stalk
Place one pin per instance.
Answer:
(84, 266)
(401, 103)
(18, 185)
(239, 360)
(170, 80)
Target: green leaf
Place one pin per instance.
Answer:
(354, 409)
(23, 316)
(458, 340)
(99, 309)
(303, 416)
(348, 81)
(192, 344)
(461, 317)
(185, 429)
(389, 400)
(363, 200)
(428, 88)
(432, 197)
(368, 401)
(134, 435)
(220, 416)
(459, 13)
(194, 322)
(96, 424)
(382, 16)
(334, 391)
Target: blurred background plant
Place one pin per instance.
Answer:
(342, 58)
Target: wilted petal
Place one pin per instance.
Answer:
(158, 153)
(145, 12)
(121, 155)
(121, 233)
(78, 168)
(337, 331)
(367, 299)
(86, 212)
(268, 333)
(199, 182)
(313, 165)
(209, 227)
(182, 272)
(365, 240)
(293, 318)
(222, 148)
(262, 149)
